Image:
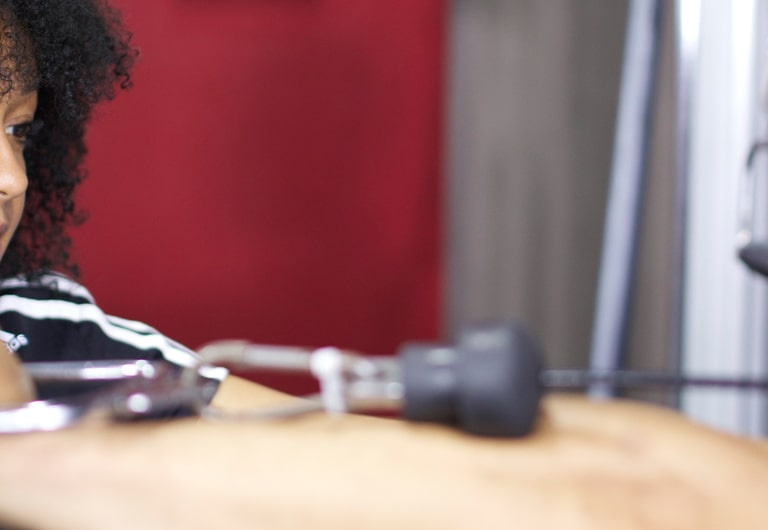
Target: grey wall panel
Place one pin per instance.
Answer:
(533, 87)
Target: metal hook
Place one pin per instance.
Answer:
(753, 254)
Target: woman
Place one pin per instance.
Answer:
(588, 465)
(57, 60)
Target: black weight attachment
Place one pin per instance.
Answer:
(487, 384)
(755, 256)
(429, 376)
(499, 381)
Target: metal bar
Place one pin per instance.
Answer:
(578, 379)
(687, 36)
(621, 220)
(79, 371)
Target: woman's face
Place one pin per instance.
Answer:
(17, 110)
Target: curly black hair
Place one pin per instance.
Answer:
(76, 53)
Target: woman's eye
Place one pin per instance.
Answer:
(20, 131)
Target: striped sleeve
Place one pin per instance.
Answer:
(54, 318)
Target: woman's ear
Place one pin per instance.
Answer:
(15, 385)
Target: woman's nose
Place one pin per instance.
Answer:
(13, 171)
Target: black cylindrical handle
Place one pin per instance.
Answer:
(487, 384)
(498, 374)
(429, 377)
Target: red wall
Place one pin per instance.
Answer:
(273, 174)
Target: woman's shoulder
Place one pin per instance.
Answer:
(49, 285)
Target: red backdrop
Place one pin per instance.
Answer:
(273, 174)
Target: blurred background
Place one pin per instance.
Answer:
(365, 173)
(274, 173)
